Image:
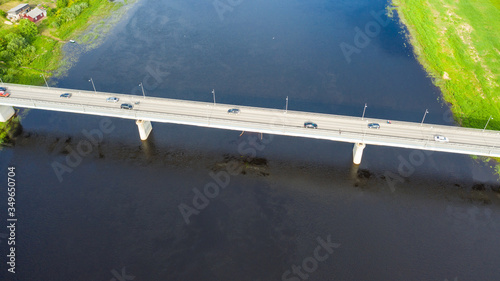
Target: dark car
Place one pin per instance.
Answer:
(233, 111)
(374, 126)
(126, 106)
(65, 95)
(3, 92)
(310, 125)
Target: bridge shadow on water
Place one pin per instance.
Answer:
(274, 168)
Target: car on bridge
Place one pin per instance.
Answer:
(233, 111)
(126, 106)
(3, 92)
(374, 126)
(440, 138)
(112, 99)
(310, 125)
(65, 95)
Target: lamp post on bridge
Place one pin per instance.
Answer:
(142, 87)
(46, 84)
(286, 106)
(213, 93)
(426, 111)
(364, 109)
(95, 92)
(491, 117)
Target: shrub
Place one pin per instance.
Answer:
(70, 13)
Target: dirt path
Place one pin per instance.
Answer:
(47, 33)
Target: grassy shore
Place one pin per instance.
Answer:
(47, 56)
(9, 129)
(458, 43)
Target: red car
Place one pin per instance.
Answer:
(3, 92)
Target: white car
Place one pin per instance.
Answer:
(440, 138)
(112, 99)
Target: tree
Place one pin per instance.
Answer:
(70, 13)
(3, 43)
(17, 51)
(28, 29)
(16, 42)
(62, 4)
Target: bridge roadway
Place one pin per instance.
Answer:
(261, 120)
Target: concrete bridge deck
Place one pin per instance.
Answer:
(261, 120)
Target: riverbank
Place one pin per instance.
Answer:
(458, 44)
(9, 130)
(31, 52)
(40, 53)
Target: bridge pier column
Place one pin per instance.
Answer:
(145, 128)
(357, 153)
(6, 112)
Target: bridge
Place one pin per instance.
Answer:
(254, 119)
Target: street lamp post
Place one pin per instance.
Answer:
(426, 111)
(364, 109)
(46, 84)
(286, 106)
(1, 80)
(491, 117)
(213, 93)
(95, 92)
(142, 87)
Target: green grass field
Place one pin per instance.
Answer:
(458, 43)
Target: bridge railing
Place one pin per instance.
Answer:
(264, 127)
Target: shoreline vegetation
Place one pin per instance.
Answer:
(458, 44)
(10, 129)
(29, 50)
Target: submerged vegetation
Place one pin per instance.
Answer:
(9, 130)
(458, 43)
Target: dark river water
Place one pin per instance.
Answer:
(296, 209)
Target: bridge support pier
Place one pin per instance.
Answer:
(6, 112)
(145, 128)
(357, 153)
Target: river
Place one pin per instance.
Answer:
(114, 214)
